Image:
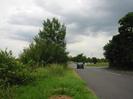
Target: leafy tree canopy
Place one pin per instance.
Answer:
(53, 32)
(94, 60)
(48, 46)
(80, 58)
(126, 23)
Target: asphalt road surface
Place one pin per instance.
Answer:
(107, 84)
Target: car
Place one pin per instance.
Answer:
(80, 65)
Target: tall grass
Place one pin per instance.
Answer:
(51, 80)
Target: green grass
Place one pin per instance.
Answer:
(54, 80)
(98, 65)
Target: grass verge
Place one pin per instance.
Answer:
(50, 81)
(98, 65)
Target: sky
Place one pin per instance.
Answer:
(90, 23)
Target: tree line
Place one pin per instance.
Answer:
(82, 58)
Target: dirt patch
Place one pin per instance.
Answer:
(60, 97)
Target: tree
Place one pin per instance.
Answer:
(102, 60)
(53, 32)
(119, 51)
(49, 45)
(80, 58)
(126, 23)
(89, 60)
(94, 60)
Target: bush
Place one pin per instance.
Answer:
(43, 54)
(11, 71)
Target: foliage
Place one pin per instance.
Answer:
(102, 60)
(126, 23)
(11, 71)
(94, 60)
(80, 58)
(51, 80)
(119, 51)
(83, 58)
(53, 32)
(49, 45)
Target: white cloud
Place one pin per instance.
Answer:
(15, 45)
(90, 23)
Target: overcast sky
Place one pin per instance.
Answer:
(90, 23)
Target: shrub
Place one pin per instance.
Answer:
(11, 71)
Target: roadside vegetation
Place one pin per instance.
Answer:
(12, 72)
(48, 47)
(53, 80)
(41, 72)
(119, 50)
(82, 58)
(41, 69)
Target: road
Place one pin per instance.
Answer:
(107, 84)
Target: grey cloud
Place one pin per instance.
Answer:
(71, 39)
(19, 32)
(25, 19)
(102, 18)
(23, 36)
(85, 18)
(23, 26)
